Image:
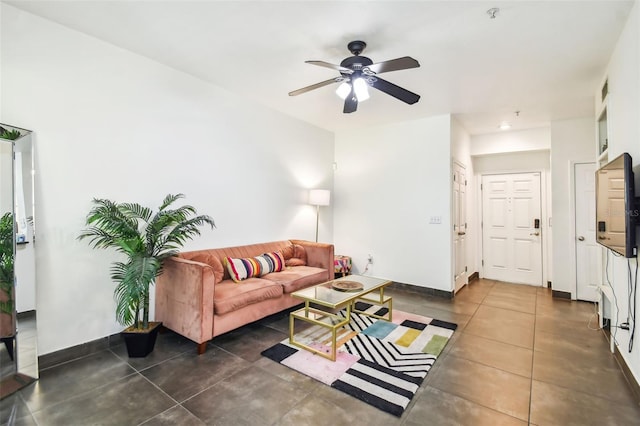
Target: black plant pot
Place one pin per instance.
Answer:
(141, 343)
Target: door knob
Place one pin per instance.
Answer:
(462, 233)
(580, 238)
(535, 233)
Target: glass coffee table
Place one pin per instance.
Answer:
(327, 302)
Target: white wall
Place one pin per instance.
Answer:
(623, 114)
(390, 180)
(511, 162)
(112, 124)
(572, 141)
(511, 141)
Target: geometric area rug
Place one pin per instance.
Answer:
(379, 362)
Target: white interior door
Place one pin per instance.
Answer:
(459, 226)
(587, 252)
(511, 228)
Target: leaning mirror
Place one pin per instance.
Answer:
(18, 334)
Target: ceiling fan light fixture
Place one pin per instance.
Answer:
(358, 72)
(360, 89)
(343, 90)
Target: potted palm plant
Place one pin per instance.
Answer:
(146, 239)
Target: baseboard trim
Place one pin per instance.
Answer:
(79, 351)
(473, 277)
(561, 294)
(26, 314)
(628, 375)
(422, 290)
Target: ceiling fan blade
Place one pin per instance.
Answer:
(350, 103)
(313, 86)
(403, 63)
(396, 91)
(332, 66)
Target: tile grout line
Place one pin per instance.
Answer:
(533, 354)
(81, 394)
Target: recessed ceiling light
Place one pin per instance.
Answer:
(505, 126)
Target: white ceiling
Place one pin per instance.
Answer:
(544, 59)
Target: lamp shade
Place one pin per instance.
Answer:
(343, 90)
(319, 197)
(360, 88)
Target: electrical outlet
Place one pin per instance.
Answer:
(436, 220)
(369, 259)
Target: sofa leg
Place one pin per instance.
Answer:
(202, 347)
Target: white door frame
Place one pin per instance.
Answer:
(572, 212)
(544, 217)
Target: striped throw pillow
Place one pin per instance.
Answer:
(247, 267)
(275, 261)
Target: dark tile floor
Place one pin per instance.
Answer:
(518, 357)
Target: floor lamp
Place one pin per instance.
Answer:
(319, 197)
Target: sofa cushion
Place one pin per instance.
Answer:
(230, 296)
(287, 252)
(294, 255)
(298, 256)
(211, 260)
(247, 267)
(295, 278)
(294, 261)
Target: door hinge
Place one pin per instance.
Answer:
(454, 177)
(465, 182)
(482, 262)
(465, 269)
(480, 187)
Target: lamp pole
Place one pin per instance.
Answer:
(317, 220)
(319, 197)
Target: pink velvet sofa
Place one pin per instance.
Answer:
(196, 297)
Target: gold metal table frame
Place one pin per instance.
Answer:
(328, 302)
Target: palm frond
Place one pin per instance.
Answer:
(168, 200)
(135, 211)
(107, 217)
(133, 280)
(126, 295)
(180, 234)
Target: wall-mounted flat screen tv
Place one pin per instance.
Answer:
(616, 212)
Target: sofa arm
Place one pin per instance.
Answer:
(319, 255)
(184, 298)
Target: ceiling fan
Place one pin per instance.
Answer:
(358, 72)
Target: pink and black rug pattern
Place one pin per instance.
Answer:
(379, 362)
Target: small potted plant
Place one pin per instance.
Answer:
(11, 135)
(146, 239)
